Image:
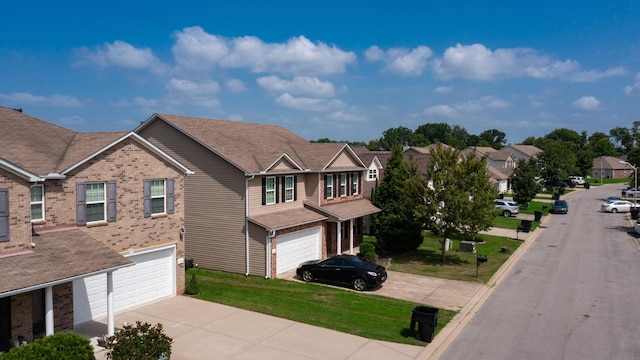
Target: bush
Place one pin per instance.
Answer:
(141, 342)
(368, 251)
(59, 346)
(192, 287)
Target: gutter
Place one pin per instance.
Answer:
(246, 222)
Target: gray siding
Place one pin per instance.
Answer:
(257, 250)
(214, 201)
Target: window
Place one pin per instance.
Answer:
(37, 202)
(343, 184)
(373, 174)
(355, 183)
(289, 188)
(328, 186)
(4, 214)
(158, 197)
(270, 190)
(95, 202)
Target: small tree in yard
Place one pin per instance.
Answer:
(141, 342)
(400, 195)
(459, 197)
(523, 181)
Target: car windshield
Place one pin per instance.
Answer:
(560, 203)
(354, 260)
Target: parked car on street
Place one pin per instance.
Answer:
(630, 192)
(613, 198)
(348, 270)
(559, 207)
(507, 207)
(578, 180)
(617, 206)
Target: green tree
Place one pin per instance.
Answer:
(494, 138)
(523, 181)
(400, 135)
(400, 195)
(459, 197)
(435, 132)
(557, 161)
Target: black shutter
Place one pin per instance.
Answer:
(111, 201)
(264, 191)
(284, 188)
(336, 185)
(81, 204)
(277, 189)
(170, 196)
(4, 214)
(295, 188)
(147, 198)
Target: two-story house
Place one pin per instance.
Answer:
(89, 225)
(262, 199)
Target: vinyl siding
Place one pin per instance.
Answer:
(214, 201)
(255, 196)
(312, 187)
(257, 250)
(344, 161)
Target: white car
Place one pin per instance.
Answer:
(636, 226)
(630, 192)
(578, 180)
(617, 206)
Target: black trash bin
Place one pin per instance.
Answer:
(537, 215)
(634, 212)
(525, 226)
(427, 319)
(555, 196)
(587, 185)
(561, 190)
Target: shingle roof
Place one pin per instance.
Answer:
(530, 150)
(253, 147)
(285, 219)
(41, 265)
(41, 147)
(347, 209)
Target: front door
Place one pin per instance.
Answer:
(5, 323)
(37, 307)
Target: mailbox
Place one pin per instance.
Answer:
(482, 259)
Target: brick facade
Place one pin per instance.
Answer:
(19, 212)
(274, 242)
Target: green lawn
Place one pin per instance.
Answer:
(363, 314)
(458, 265)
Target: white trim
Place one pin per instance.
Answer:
(292, 188)
(19, 171)
(103, 202)
(41, 202)
(288, 158)
(267, 190)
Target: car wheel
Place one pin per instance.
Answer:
(359, 284)
(506, 213)
(614, 210)
(307, 276)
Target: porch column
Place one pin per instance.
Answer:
(48, 310)
(351, 236)
(110, 315)
(339, 237)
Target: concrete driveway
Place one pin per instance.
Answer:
(206, 330)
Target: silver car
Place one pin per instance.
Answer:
(508, 207)
(617, 206)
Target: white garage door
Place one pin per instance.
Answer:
(151, 278)
(298, 247)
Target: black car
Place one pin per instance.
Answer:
(559, 207)
(345, 270)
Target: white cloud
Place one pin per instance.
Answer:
(121, 54)
(586, 103)
(195, 49)
(307, 86)
(445, 111)
(476, 62)
(593, 75)
(443, 89)
(56, 100)
(182, 91)
(236, 85)
(309, 104)
(636, 85)
(401, 61)
(470, 107)
(346, 116)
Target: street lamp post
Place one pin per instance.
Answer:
(635, 178)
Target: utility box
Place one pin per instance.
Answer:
(468, 246)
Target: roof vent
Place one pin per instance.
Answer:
(18, 110)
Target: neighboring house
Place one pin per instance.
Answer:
(500, 164)
(522, 152)
(609, 167)
(89, 225)
(262, 199)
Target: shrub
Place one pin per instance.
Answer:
(368, 251)
(192, 287)
(59, 346)
(141, 342)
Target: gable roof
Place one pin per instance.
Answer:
(36, 150)
(529, 150)
(255, 148)
(500, 155)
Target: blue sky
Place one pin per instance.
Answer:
(345, 70)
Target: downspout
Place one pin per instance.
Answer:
(246, 221)
(270, 236)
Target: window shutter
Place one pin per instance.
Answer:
(170, 196)
(350, 184)
(147, 198)
(4, 214)
(295, 187)
(277, 189)
(81, 204)
(264, 191)
(336, 185)
(111, 201)
(284, 188)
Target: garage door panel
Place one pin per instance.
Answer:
(298, 247)
(151, 278)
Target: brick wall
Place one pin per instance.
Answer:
(22, 316)
(19, 212)
(63, 307)
(274, 242)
